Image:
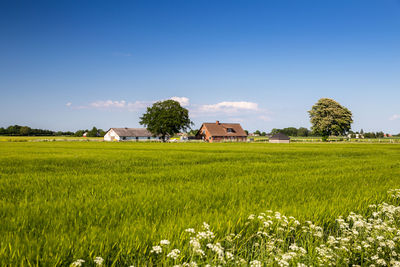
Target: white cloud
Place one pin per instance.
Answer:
(108, 104)
(395, 117)
(68, 104)
(230, 107)
(184, 101)
(122, 104)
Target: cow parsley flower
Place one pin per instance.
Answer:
(156, 250)
(174, 254)
(190, 230)
(99, 261)
(164, 242)
(78, 263)
(255, 263)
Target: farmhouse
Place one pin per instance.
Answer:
(129, 134)
(279, 138)
(221, 132)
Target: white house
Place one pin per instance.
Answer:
(129, 134)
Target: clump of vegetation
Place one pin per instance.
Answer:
(273, 239)
(328, 117)
(166, 118)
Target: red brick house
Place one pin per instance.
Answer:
(221, 132)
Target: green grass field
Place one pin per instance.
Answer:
(60, 201)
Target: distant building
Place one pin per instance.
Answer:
(279, 138)
(221, 132)
(129, 134)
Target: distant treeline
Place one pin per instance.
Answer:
(293, 131)
(304, 132)
(17, 130)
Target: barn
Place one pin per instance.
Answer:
(221, 132)
(129, 134)
(279, 138)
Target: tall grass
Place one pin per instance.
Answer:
(61, 201)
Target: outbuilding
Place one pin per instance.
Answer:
(129, 134)
(279, 138)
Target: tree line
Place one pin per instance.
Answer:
(17, 130)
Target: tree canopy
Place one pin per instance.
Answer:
(328, 117)
(166, 118)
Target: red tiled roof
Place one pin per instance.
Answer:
(220, 129)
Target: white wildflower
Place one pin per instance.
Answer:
(174, 254)
(381, 262)
(78, 263)
(190, 230)
(156, 250)
(164, 242)
(99, 261)
(255, 263)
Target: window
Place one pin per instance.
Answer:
(204, 132)
(230, 130)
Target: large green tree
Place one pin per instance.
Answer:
(166, 118)
(328, 117)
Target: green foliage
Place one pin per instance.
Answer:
(62, 201)
(80, 133)
(17, 130)
(328, 117)
(94, 132)
(292, 131)
(193, 132)
(166, 118)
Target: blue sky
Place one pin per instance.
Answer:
(66, 65)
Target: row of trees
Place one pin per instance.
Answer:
(368, 134)
(293, 131)
(17, 130)
(289, 131)
(94, 132)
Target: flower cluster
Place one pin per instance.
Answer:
(272, 239)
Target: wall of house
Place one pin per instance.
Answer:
(229, 139)
(111, 136)
(140, 138)
(205, 135)
(279, 141)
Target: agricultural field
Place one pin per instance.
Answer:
(62, 201)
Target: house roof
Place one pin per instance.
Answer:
(279, 136)
(132, 132)
(220, 129)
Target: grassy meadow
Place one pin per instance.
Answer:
(61, 201)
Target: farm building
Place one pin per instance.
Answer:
(129, 134)
(221, 132)
(279, 138)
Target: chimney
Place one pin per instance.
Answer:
(217, 122)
